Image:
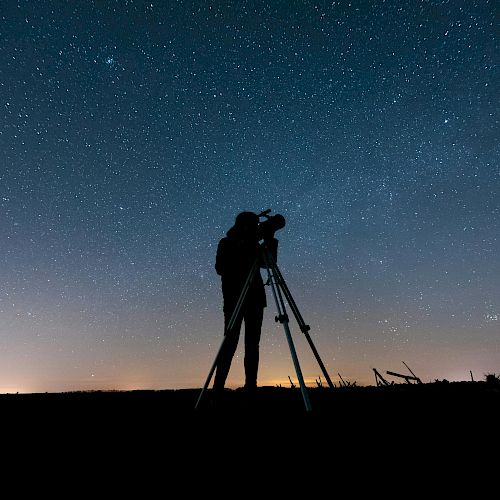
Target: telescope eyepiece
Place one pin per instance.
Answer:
(273, 223)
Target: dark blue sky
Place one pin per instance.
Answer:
(134, 132)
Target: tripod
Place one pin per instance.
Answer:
(280, 292)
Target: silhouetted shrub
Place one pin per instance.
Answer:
(493, 379)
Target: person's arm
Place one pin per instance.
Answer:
(221, 257)
(228, 258)
(272, 245)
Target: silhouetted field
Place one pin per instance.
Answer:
(403, 430)
(397, 403)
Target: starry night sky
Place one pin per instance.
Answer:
(132, 133)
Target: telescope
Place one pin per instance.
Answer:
(268, 227)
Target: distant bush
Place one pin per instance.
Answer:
(493, 379)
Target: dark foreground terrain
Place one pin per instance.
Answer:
(430, 438)
(425, 405)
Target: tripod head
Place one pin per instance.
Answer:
(268, 227)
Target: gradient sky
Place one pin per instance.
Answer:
(132, 133)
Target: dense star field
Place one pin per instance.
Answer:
(134, 132)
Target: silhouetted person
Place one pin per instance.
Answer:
(236, 254)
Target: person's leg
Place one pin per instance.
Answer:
(227, 351)
(253, 327)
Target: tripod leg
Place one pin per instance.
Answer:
(303, 327)
(229, 326)
(283, 318)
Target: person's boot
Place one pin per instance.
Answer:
(249, 395)
(218, 398)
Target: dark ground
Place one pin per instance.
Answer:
(429, 438)
(424, 405)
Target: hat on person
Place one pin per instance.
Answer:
(246, 219)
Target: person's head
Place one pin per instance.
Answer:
(247, 223)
